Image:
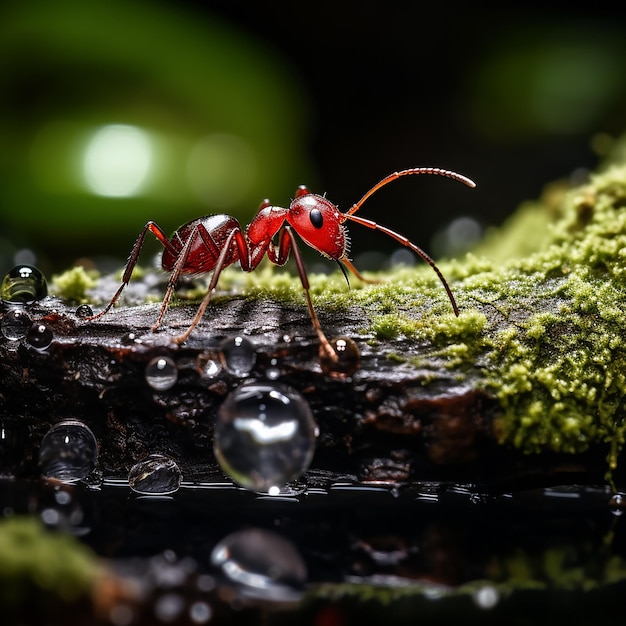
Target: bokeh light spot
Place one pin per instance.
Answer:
(117, 160)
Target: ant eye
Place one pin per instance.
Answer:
(316, 217)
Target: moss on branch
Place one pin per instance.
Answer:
(540, 329)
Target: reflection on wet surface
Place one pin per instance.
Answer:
(367, 551)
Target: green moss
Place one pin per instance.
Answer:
(74, 283)
(559, 372)
(541, 300)
(35, 558)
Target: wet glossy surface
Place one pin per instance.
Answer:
(373, 553)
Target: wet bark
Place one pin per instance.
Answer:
(388, 422)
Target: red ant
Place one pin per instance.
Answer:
(214, 242)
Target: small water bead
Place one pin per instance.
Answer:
(84, 311)
(264, 436)
(238, 355)
(23, 283)
(208, 364)
(157, 474)
(68, 451)
(15, 324)
(263, 563)
(130, 339)
(39, 336)
(200, 612)
(347, 361)
(161, 373)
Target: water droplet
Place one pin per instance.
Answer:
(238, 355)
(68, 451)
(15, 324)
(83, 311)
(347, 361)
(130, 339)
(212, 368)
(617, 504)
(263, 563)
(264, 435)
(161, 373)
(200, 612)
(157, 474)
(23, 283)
(39, 336)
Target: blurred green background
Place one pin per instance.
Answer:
(117, 112)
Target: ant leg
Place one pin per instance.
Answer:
(174, 276)
(156, 230)
(326, 346)
(237, 236)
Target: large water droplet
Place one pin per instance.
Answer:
(345, 361)
(39, 336)
(68, 451)
(262, 563)
(157, 474)
(15, 324)
(238, 355)
(23, 283)
(264, 435)
(161, 373)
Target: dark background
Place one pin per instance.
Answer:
(514, 98)
(395, 85)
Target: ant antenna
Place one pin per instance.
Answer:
(397, 236)
(414, 170)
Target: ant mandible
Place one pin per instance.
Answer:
(214, 242)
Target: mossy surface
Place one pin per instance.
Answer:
(540, 328)
(544, 326)
(74, 284)
(33, 559)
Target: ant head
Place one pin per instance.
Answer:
(319, 223)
